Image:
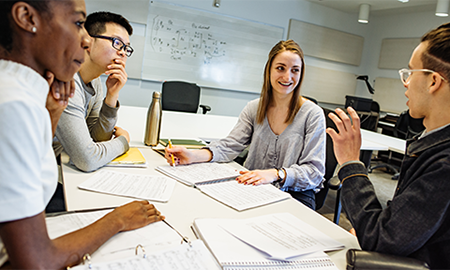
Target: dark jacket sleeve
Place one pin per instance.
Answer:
(411, 219)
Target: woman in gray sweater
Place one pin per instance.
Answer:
(284, 131)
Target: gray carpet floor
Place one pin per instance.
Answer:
(384, 188)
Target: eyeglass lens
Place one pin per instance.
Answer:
(118, 45)
(405, 75)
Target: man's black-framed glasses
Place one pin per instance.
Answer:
(118, 44)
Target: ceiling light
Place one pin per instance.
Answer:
(442, 8)
(404, 1)
(364, 10)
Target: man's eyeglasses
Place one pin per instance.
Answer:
(405, 74)
(118, 44)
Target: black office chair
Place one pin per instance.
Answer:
(330, 167)
(405, 128)
(312, 99)
(368, 260)
(370, 121)
(181, 97)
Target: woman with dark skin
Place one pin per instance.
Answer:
(45, 40)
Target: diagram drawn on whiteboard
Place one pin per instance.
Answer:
(183, 42)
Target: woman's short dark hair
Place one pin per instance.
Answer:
(6, 29)
(95, 22)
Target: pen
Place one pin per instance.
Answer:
(173, 159)
(184, 238)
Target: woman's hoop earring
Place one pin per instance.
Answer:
(33, 29)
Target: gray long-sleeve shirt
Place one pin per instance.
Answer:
(85, 128)
(300, 149)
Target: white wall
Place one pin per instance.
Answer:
(278, 13)
(413, 25)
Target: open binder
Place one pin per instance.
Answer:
(160, 238)
(192, 255)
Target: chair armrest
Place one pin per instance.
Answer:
(334, 183)
(205, 108)
(360, 259)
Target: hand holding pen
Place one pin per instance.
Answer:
(179, 155)
(171, 155)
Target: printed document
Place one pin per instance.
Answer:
(282, 236)
(198, 173)
(232, 253)
(141, 186)
(242, 197)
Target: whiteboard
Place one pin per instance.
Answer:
(326, 43)
(136, 13)
(395, 52)
(326, 85)
(206, 48)
(132, 10)
(390, 94)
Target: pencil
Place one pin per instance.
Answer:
(173, 159)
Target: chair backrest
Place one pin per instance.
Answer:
(180, 96)
(370, 122)
(375, 107)
(407, 127)
(330, 163)
(312, 99)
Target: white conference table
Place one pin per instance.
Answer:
(188, 203)
(175, 124)
(392, 143)
(190, 125)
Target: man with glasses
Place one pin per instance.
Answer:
(86, 130)
(416, 223)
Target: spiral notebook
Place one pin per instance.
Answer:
(234, 253)
(217, 180)
(200, 173)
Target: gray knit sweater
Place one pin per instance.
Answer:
(300, 149)
(85, 128)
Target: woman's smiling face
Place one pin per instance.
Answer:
(285, 72)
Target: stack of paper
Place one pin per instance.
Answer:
(276, 240)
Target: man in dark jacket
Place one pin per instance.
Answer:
(416, 223)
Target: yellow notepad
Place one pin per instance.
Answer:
(132, 158)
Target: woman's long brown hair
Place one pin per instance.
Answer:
(266, 92)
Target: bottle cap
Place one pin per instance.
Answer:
(156, 94)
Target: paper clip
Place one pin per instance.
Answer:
(144, 255)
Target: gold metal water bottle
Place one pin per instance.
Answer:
(154, 116)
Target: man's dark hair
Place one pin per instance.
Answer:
(6, 30)
(437, 55)
(96, 22)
